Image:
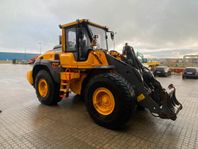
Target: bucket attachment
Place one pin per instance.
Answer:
(170, 105)
(167, 108)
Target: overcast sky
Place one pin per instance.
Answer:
(149, 25)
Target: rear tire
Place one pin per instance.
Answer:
(50, 96)
(123, 97)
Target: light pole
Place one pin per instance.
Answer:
(25, 54)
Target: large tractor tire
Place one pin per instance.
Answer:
(109, 100)
(46, 89)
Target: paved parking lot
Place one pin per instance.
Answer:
(25, 123)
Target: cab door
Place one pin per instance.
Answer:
(78, 42)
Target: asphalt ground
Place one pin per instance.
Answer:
(25, 123)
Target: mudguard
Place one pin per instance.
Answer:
(51, 65)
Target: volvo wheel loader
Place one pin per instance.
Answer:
(110, 86)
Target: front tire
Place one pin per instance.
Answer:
(109, 100)
(46, 89)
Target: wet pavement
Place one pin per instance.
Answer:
(25, 123)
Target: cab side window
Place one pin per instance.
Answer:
(71, 39)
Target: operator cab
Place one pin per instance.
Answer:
(82, 36)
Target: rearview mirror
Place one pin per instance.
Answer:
(112, 35)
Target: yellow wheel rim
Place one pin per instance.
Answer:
(103, 101)
(43, 87)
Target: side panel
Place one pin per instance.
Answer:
(76, 85)
(96, 58)
(96, 61)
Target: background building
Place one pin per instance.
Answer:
(16, 56)
(190, 60)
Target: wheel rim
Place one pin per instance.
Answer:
(103, 101)
(43, 87)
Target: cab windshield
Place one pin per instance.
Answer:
(101, 37)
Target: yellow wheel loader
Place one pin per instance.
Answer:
(111, 86)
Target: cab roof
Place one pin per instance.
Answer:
(82, 21)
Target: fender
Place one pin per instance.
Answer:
(50, 65)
